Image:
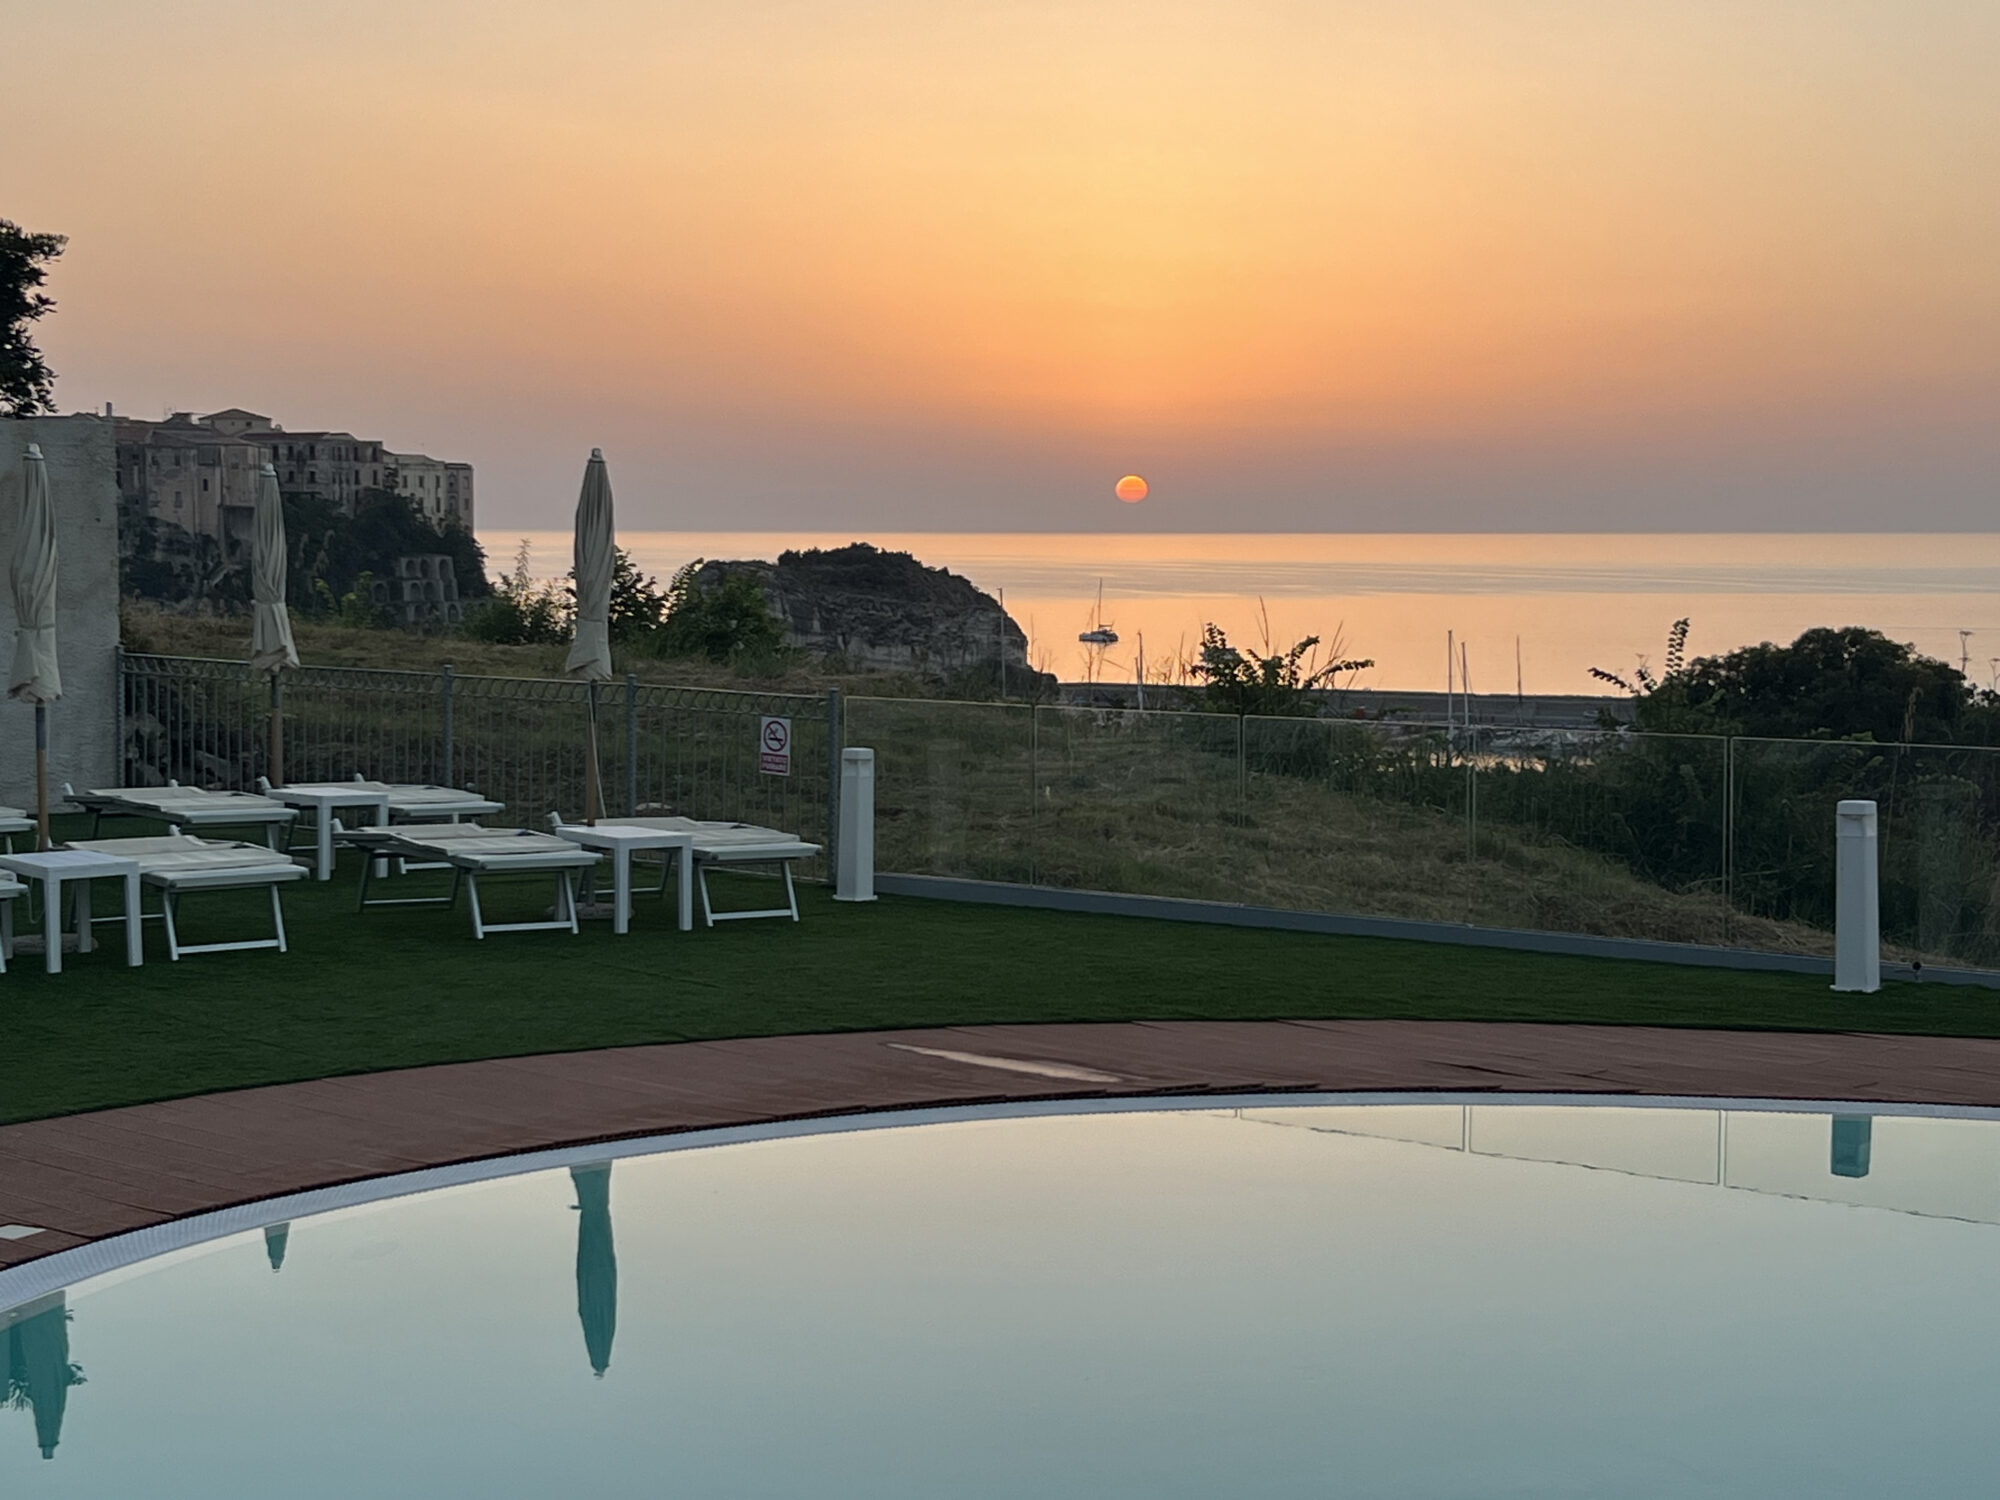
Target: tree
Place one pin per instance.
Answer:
(1829, 684)
(638, 608)
(335, 549)
(27, 385)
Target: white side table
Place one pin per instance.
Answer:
(78, 867)
(323, 799)
(619, 840)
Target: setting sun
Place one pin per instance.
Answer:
(1131, 489)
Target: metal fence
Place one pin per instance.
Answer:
(1684, 838)
(521, 741)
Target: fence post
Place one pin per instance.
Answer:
(1857, 913)
(1034, 792)
(834, 735)
(631, 744)
(118, 777)
(445, 677)
(1242, 774)
(1729, 837)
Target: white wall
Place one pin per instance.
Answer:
(83, 489)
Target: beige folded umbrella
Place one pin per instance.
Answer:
(271, 648)
(590, 650)
(36, 678)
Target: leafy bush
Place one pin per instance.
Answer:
(1280, 683)
(522, 612)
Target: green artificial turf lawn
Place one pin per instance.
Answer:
(398, 988)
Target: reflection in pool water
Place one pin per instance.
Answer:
(1395, 1300)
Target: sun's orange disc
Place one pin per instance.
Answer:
(1131, 489)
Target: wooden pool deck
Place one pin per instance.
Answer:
(79, 1178)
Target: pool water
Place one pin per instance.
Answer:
(1405, 1300)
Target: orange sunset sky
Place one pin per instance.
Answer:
(1458, 264)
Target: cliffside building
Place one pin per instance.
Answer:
(331, 466)
(199, 473)
(440, 491)
(187, 474)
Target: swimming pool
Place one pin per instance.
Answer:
(1286, 1298)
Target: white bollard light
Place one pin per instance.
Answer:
(854, 877)
(1857, 908)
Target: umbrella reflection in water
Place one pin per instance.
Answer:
(38, 1370)
(596, 1264)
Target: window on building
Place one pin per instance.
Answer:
(204, 484)
(177, 499)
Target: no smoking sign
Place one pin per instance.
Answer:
(774, 746)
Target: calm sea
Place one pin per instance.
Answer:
(1547, 608)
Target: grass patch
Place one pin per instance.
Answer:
(400, 988)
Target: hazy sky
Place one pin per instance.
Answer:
(1618, 264)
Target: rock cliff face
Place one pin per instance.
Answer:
(885, 610)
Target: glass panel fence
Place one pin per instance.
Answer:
(1938, 823)
(1150, 803)
(954, 786)
(1599, 831)
(1362, 818)
(1677, 838)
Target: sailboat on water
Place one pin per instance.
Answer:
(1099, 634)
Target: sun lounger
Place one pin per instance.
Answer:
(413, 802)
(731, 845)
(322, 802)
(390, 852)
(472, 851)
(106, 800)
(187, 808)
(175, 864)
(10, 890)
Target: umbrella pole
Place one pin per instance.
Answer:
(277, 731)
(592, 792)
(41, 778)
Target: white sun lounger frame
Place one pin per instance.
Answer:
(10, 890)
(12, 821)
(472, 851)
(730, 844)
(402, 801)
(165, 864)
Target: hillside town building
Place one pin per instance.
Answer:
(199, 473)
(186, 474)
(441, 491)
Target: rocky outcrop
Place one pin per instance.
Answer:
(886, 611)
